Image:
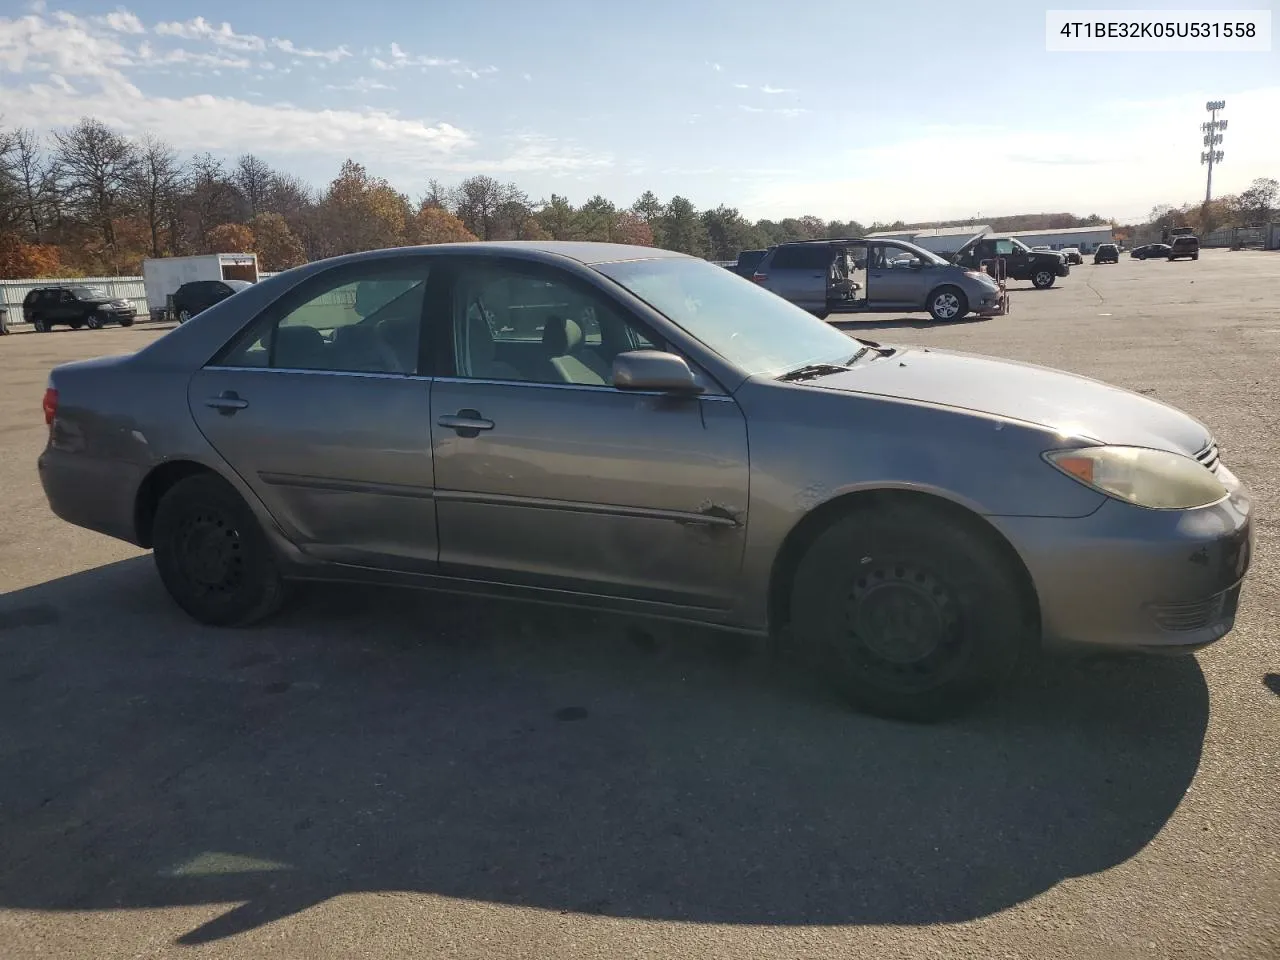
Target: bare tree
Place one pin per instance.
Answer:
(212, 198)
(156, 185)
(437, 196)
(96, 165)
(10, 197)
(253, 177)
(32, 176)
(478, 202)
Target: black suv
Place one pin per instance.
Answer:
(75, 306)
(1041, 267)
(190, 298)
(1184, 246)
(1106, 253)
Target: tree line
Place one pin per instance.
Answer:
(90, 201)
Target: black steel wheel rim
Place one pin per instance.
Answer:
(903, 625)
(210, 553)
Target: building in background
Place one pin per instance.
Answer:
(1086, 238)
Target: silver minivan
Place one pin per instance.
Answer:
(831, 278)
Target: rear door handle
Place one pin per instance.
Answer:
(227, 403)
(467, 423)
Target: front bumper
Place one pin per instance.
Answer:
(1123, 577)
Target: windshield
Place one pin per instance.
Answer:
(90, 293)
(926, 256)
(1020, 245)
(755, 330)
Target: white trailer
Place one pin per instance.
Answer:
(162, 276)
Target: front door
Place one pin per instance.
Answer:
(320, 409)
(892, 282)
(548, 476)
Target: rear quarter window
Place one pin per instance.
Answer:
(809, 256)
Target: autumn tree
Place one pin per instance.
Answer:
(277, 247)
(1258, 202)
(361, 212)
(650, 209)
(20, 259)
(434, 224)
(229, 238)
(96, 165)
(211, 199)
(630, 228)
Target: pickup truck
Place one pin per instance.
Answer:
(1042, 268)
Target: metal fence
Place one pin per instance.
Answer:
(12, 292)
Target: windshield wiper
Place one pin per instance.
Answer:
(811, 370)
(872, 345)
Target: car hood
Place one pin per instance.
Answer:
(1068, 404)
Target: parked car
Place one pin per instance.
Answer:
(75, 306)
(199, 295)
(1150, 251)
(748, 260)
(1184, 246)
(910, 521)
(1106, 253)
(839, 277)
(1073, 255)
(1021, 262)
(1042, 248)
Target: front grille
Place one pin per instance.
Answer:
(1209, 456)
(1197, 614)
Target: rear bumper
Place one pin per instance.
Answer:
(91, 492)
(1156, 580)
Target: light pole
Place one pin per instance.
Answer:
(1212, 137)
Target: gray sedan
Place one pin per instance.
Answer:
(635, 430)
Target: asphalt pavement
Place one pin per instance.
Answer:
(384, 773)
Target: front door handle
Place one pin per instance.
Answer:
(467, 423)
(227, 403)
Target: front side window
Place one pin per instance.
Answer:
(534, 326)
(754, 330)
(358, 319)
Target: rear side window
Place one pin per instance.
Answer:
(801, 257)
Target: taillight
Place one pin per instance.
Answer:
(50, 404)
(759, 277)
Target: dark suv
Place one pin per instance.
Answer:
(1106, 253)
(191, 298)
(1041, 267)
(1184, 246)
(75, 306)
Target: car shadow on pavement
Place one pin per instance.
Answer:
(863, 325)
(394, 741)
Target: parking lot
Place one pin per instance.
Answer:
(378, 773)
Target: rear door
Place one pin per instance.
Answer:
(800, 272)
(320, 408)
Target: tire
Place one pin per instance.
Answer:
(184, 315)
(76, 324)
(1195, 256)
(212, 555)
(126, 322)
(94, 322)
(1043, 279)
(962, 625)
(947, 304)
(39, 324)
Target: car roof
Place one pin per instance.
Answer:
(583, 251)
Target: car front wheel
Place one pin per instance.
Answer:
(94, 322)
(948, 303)
(1042, 279)
(911, 614)
(40, 324)
(212, 555)
(184, 315)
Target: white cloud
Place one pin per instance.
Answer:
(198, 28)
(772, 90)
(776, 111)
(122, 21)
(532, 152)
(527, 77)
(399, 59)
(360, 85)
(333, 56)
(716, 67)
(742, 86)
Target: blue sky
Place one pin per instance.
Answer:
(851, 110)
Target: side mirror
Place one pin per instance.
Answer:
(654, 370)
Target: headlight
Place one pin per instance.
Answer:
(981, 277)
(1149, 478)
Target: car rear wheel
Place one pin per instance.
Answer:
(1042, 279)
(40, 325)
(909, 613)
(212, 555)
(948, 303)
(184, 315)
